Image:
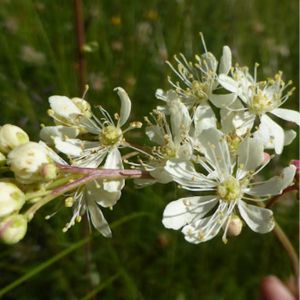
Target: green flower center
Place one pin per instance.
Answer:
(229, 189)
(168, 151)
(261, 103)
(110, 135)
(200, 90)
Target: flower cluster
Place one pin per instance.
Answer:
(212, 134)
(216, 143)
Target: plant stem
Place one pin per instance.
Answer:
(287, 245)
(80, 38)
(109, 173)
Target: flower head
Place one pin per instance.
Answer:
(11, 136)
(27, 162)
(258, 100)
(225, 187)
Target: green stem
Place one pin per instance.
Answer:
(287, 245)
(38, 194)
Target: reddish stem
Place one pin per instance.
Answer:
(92, 173)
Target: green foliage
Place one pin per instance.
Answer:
(127, 44)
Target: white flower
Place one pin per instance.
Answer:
(89, 198)
(110, 139)
(260, 99)
(13, 228)
(11, 199)
(172, 140)
(199, 78)
(226, 188)
(68, 114)
(11, 136)
(27, 162)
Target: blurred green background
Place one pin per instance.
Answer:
(143, 260)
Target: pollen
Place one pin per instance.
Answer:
(110, 135)
(229, 189)
(261, 103)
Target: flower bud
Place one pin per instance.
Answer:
(84, 106)
(235, 226)
(27, 162)
(11, 199)
(49, 171)
(13, 229)
(11, 136)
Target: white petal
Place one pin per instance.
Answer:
(257, 218)
(50, 132)
(63, 106)
(209, 61)
(224, 100)
(182, 211)
(155, 134)
(250, 154)
(96, 193)
(228, 83)
(161, 175)
(243, 122)
(204, 118)
(53, 155)
(113, 161)
(98, 220)
(125, 106)
(216, 151)
(277, 132)
(225, 61)
(287, 114)
(180, 119)
(227, 116)
(289, 136)
(274, 185)
(160, 94)
(184, 173)
(72, 147)
(204, 229)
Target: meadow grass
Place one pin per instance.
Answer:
(143, 260)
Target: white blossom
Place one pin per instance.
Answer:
(259, 100)
(198, 80)
(88, 199)
(27, 162)
(11, 136)
(11, 199)
(172, 141)
(13, 228)
(224, 190)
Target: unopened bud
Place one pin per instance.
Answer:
(13, 229)
(27, 162)
(49, 171)
(11, 199)
(11, 136)
(235, 226)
